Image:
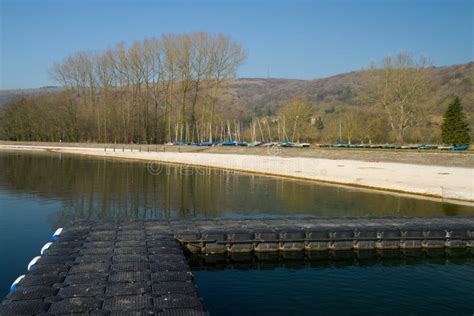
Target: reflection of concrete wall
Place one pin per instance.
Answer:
(98, 188)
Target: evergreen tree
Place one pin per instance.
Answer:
(319, 123)
(455, 130)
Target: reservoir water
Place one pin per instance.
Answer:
(40, 192)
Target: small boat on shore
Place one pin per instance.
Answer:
(463, 147)
(286, 143)
(267, 144)
(293, 145)
(204, 144)
(254, 144)
(428, 147)
(228, 143)
(455, 148)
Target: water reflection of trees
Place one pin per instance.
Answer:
(100, 188)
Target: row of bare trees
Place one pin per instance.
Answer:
(171, 89)
(156, 90)
(301, 120)
(391, 101)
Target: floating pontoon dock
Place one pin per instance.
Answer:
(139, 267)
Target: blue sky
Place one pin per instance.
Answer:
(290, 39)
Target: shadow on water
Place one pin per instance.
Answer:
(339, 283)
(334, 259)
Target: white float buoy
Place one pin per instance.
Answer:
(56, 234)
(14, 284)
(33, 262)
(45, 248)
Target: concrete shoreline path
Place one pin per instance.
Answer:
(452, 183)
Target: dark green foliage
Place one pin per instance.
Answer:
(455, 129)
(330, 109)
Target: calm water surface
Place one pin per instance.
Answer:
(422, 286)
(40, 192)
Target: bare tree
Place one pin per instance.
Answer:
(398, 84)
(226, 56)
(295, 119)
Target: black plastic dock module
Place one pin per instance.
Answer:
(139, 267)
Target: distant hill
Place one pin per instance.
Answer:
(7, 95)
(263, 96)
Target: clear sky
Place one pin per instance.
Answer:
(290, 39)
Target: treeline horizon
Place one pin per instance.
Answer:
(175, 87)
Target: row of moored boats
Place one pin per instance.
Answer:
(242, 144)
(305, 145)
(392, 146)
